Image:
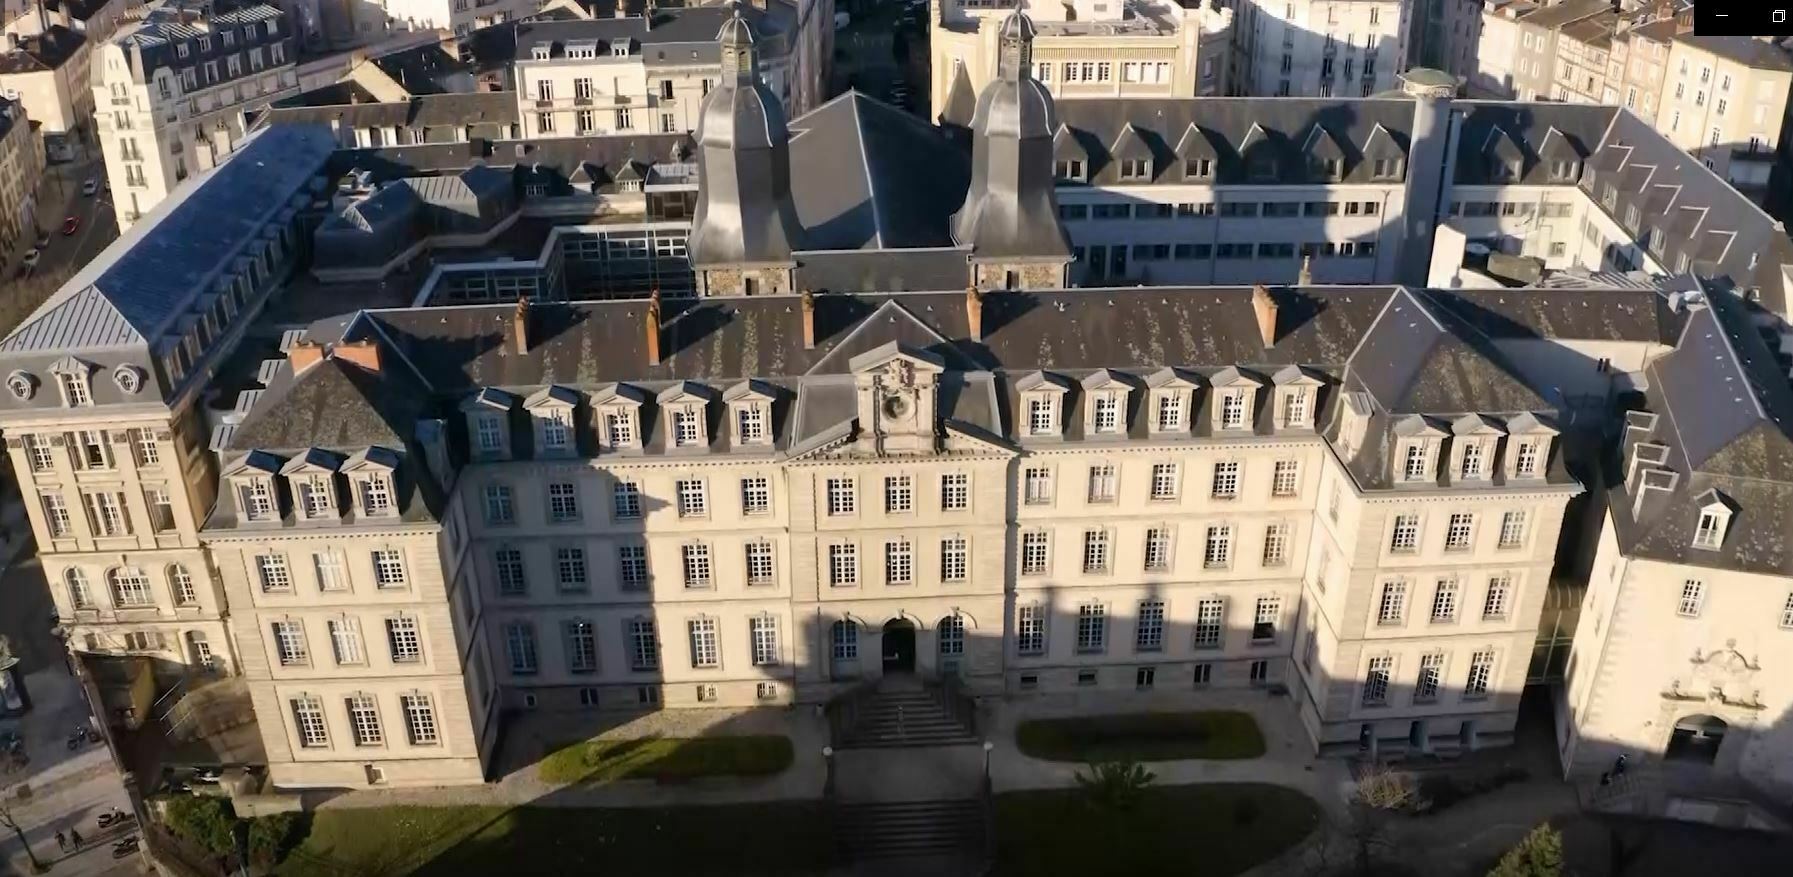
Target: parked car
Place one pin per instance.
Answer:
(91, 186)
(70, 224)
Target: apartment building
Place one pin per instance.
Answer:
(48, 72)
(21, 169)
(1642, 52)
(1689, 603)
(1082, 49)
(643, 74)
(323, 26)
(1323, 48)
(172, 88)
(1586, 69)
(1488, 60)
(1728, 105)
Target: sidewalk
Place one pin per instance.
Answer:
(528, 737)
(1287, 761)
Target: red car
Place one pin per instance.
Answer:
(70, 224)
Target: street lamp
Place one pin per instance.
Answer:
(988, 746)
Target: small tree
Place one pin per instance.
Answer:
(1381, 795)
(209, 822)
(1115, 786)
(1539, 854)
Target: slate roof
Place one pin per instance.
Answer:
(1748, 51)
(152, 42)
(422, 111)
(43, 52)
(874, 177)
(1528, 127)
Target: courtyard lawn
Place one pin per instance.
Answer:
(1213, 734)
(770, 838)
(666, 759)
(1208, 830)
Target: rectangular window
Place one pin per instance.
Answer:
(1232, 409)
(1106, 417)
(1037, 483)
(694, 500)
(1210, 622)
(1039, 416)
(499, 508)
(631, 563)
(1226, 481)
(899, 494)
(37, 450)
(750, 420)
(1170, 412)
(1217, 553)
(1500, 590)
(1034, 552)
(289, 644)
(563, 504)
(490, 432)
(56, 516)
(1204, 674)
(620, 427)
(345, 641)
(161, 509)
(1392, 608)
(1512, 529)
(389, 568)
(843, 565)
(272, 570)
(376, 495)
(308, 717)
(1456, 535)
(899, 562)
(1444, 602)
(704, 653)
(364, 720)
(759, 563)
(143, 442)
(756, 495)
(842, 500)
(695, 557)
(687, 427)
(1283, 481)
(1157, 554)
(1030, 630)
(1481, 672)
(519, 639)
(955, 492)
(1102, 483)
(1375, 683)
(625, 500)
(1092, 628)
(1693, 599)
(1472, 467)
(1264, 618)
(1405, 538)
(258, 500)
(955, 559)
(644, 645)
(1095, 551)
(1431, 671)
(556, 432)
(1708, 533)
(420, 719)
(1525, 462)
(569, 570)
(1164, 481)
(1295, 412)
(582, 647)
(1276, 544)
(406, 642)
(1149, 632)
(763, 632)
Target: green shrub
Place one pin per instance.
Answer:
(208, 822)
(1539, 854)
(1115, 786)
(667, 759)
(271, 837)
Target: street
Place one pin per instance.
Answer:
(99, 225)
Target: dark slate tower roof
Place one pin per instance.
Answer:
(1011, 209)
(744, 214)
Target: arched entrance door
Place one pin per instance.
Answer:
(1696, 739)
(899, 646)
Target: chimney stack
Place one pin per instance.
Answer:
(1265, 308)
(362, 353)
(520, 325)
(653, 327)
(303, 355)
(808, 304)
(974, 313)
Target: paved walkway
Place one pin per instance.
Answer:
(529, 737)
(1287, 760)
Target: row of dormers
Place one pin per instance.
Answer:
(552, 416)
(1470, 449)
(316, 486)
(1170, 404)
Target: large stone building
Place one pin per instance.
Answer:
(21, 169)
(48, 72)
(1082, 49)
(171, 90)
(1318, 48)
(911, 444)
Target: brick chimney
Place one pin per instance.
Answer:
(807, 302)
(1265, 308)
(974, 313)
(362, 353)
(304, 355)
(653, 328)
(520, 326)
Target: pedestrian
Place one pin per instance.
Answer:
(61, 841)
(1618, 767)
(74, 838)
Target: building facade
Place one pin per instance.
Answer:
(1728, 105)
(1083, 50)
(171, 91)
(49, 72)
(21, 169)
(1315, 48)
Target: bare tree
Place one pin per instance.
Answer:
(1381, 796)
(7, 820)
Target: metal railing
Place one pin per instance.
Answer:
(843, 711)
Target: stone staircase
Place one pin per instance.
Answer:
(906, 717)
(906, 829)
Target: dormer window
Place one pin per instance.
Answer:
(1105, 416)
(1136, 169)
(488, 423)
(1262, 167)
(257, 498)
(1042, 415)
(1068, 169)
(376, 495)
(1563, 171)
(619, 427)
(750, 424)
(1525, 459)
(1234, 405)
(1416, 462)
(556, 430)
(687, 427)
(1328, 168)
(1386, 169)
(1714, 522)
(1168, 413)
(1528, 446)
(315, 497)
(540, 53)
(750, 412)
(1042, 398)
(75, 391)
(551, 409)
(683, 404)
(1473, 466)
(488, 432)
(1199, 168)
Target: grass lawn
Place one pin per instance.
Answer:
(667, 759)
(770, 838)
(1208, 830)
(1216, 734)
